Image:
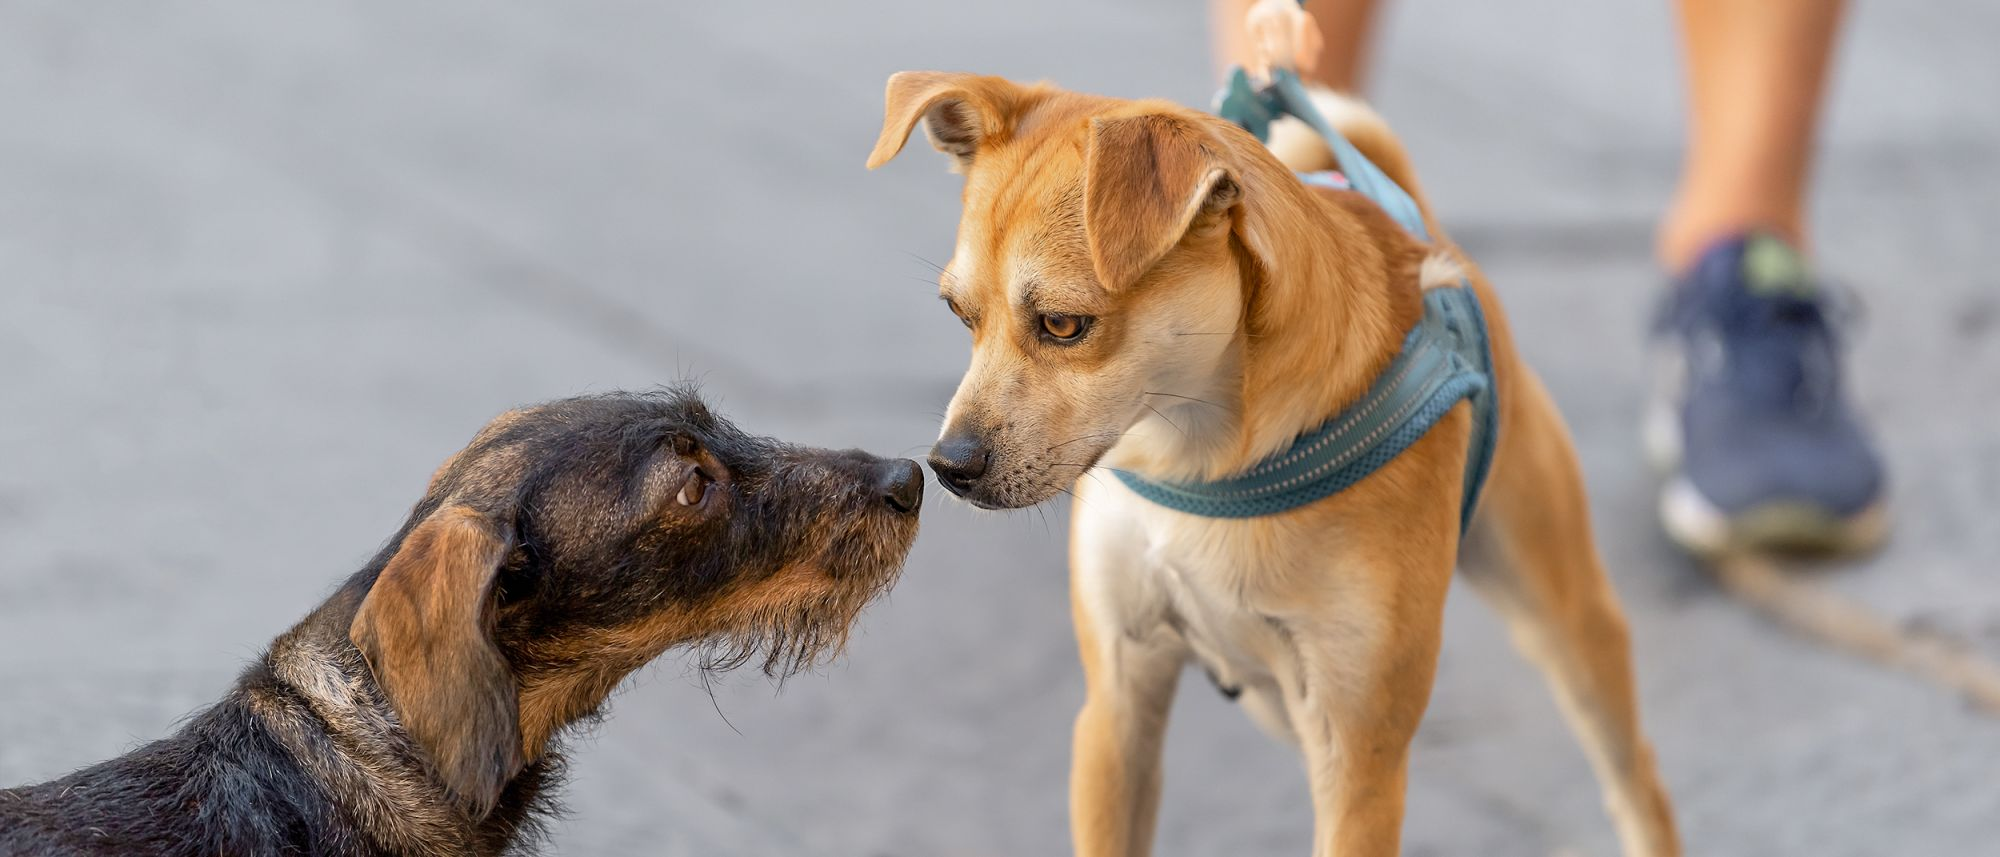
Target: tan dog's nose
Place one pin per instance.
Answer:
(960, 459)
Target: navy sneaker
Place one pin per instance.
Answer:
(1749, 421)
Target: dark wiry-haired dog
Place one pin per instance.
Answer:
(414, 712)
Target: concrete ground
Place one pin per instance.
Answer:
(263, 265)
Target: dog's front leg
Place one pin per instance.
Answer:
(1115, 774)
(1365, 663)
(1131, 664)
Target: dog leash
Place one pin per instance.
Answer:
(1446, 358)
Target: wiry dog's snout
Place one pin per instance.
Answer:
(960, 459)
(902, 484)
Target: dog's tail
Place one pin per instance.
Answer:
(1298, 147)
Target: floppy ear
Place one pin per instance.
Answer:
(1146, 179)
(426, 629)
(959, 111)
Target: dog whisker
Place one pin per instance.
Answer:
(1156, 412)
(1215, 405)
(709, 688)
(1089, 468)
(1084, 437)
(942, 271)
(934, 266)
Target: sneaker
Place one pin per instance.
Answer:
(1761, 449)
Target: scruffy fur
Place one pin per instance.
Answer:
(1227, 308)
(417, 712)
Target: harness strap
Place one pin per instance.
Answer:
(1446, 358)
(1443, 361)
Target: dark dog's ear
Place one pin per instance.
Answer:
(1146, 179)
(959, 111)
(426, 629)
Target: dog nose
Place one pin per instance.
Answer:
(960, 460)
(902, 483)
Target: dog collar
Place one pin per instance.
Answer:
(1446, 358)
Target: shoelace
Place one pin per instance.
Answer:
(1779, 353)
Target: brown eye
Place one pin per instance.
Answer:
(1064, 328)
(693, 489)
(962, 317)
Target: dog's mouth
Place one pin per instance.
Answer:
(1030, 480)
(811, 623)
(873, 553)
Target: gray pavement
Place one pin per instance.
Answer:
(263, 265)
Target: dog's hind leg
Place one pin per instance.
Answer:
(1531, 556)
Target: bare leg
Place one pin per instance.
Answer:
(1755, 74)
(1344, 26)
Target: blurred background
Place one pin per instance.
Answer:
(264, 265)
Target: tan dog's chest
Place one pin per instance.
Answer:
(1232, 593)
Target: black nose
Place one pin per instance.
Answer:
(902, 484)
(960, 459)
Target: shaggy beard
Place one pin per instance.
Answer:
(809, 633)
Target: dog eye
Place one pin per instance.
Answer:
(1065, 328)
(962, 317)
(693, 489)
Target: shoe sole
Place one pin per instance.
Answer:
(1704, 529)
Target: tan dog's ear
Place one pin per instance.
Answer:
(959, 111)
(1146, 179)
(426, 629)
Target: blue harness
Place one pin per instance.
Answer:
(1445, 359)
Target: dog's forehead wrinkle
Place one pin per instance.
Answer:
(1025, 282)
(1033, 179)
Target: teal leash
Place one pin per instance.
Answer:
(1254, 109)
(1445, 359)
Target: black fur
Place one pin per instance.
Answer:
(226, 784)
(304, 756)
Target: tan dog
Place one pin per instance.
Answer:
(1149, 288)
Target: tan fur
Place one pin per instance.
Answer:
(424, 629)
(1252, 320)
(550, 701)
(1147, 178)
